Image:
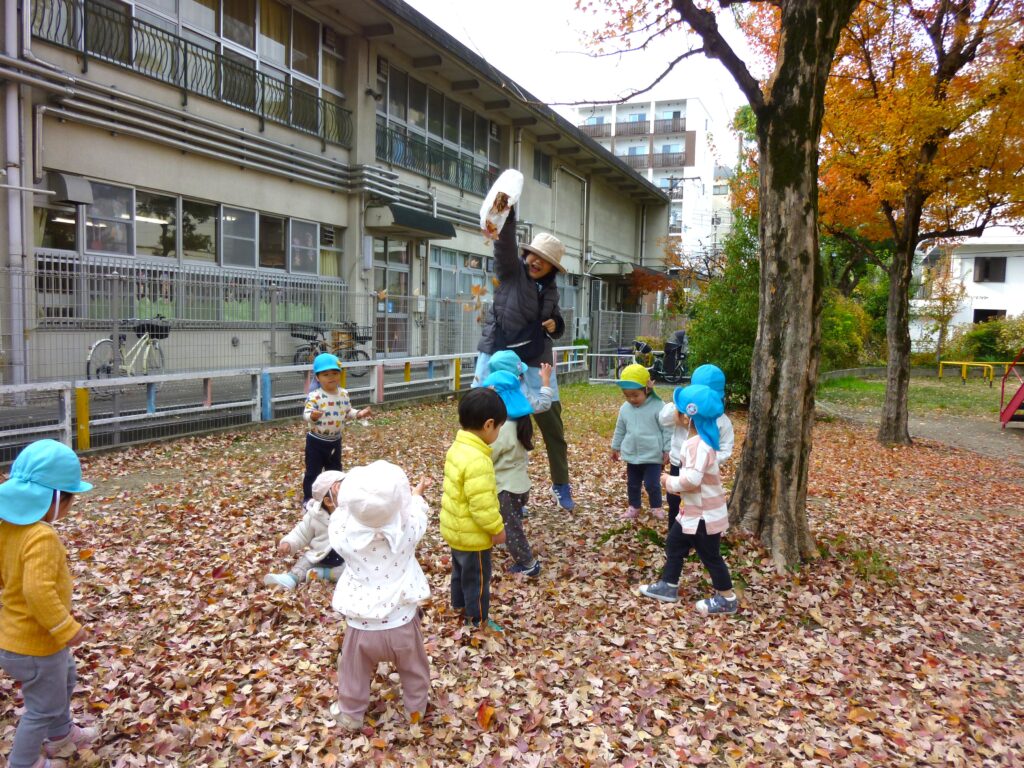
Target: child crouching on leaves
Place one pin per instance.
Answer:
(318, 560)
(510, 455)
(376, 528)
(640, 440)
(704, 515)
(710, 376)
(37, 629)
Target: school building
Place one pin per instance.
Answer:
(246, 168)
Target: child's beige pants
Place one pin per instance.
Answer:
(363, 649)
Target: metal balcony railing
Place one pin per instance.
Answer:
(597, 130)
(108, 33)
(669, 159)
(670, 125)
(636, 162)
(432, 160)
(632, 128)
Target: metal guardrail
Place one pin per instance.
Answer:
(102, 32)
(436, 162)
(133, 409)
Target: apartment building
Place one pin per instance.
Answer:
(239, 165)
(670, 143)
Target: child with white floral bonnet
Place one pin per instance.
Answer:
(318, 560)
(376, 527)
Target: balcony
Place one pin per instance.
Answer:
(431, 160)
(596, 130)
(633, 128)
(672, 125)
(107, 34)
(636, 162)
(669, 159)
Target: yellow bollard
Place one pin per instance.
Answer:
(82, 416)
(458, 373)
(344, 377)
(408, 372)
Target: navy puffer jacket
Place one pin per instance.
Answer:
(519, 300)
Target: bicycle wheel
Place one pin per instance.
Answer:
(304, 355)
(357, 356)
(153, 361)
(99, 364)
(620, 365)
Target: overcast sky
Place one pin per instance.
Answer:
(541, 45)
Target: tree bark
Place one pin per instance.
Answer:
(893, 427)
(769, 498)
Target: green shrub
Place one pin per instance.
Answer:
(844, 327)
(723, 322)
(977, 341)
(1011, 335)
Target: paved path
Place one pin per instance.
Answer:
(973, 433)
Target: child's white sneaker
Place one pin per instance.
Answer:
(659, 512)
(283, 580)
(46, 762)
(74, 741)
(630, 513)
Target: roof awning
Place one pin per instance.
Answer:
(406, 222)
(610, 269)
(69, 188)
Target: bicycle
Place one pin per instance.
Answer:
(668, 365)
(144, 357)
(346, 349)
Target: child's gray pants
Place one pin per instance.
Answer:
(47, 683)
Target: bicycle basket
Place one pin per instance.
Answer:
(154, 328)
(305, 332)
(362, 333)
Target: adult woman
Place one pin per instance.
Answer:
(525, 317)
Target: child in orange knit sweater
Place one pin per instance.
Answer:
(36, 626)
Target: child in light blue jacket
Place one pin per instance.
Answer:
(640, 440)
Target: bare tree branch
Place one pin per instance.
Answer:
(634, 49)
(704, 24)
(633, 94)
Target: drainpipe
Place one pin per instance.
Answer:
(643, 232)
(517, 149)
(15, 197)
(584, 207)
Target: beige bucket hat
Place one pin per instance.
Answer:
(549, 248)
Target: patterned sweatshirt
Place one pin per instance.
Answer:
(335, 408)
(700, 485)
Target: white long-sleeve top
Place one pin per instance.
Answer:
(382, 583)
(726, 436)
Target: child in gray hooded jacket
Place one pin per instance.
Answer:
(640, 440)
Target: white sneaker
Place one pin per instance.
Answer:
(283, 580)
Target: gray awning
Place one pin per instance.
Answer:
(406, 222)
(610, 269)
(70, 188)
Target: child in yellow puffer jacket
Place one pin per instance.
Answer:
(470, 519)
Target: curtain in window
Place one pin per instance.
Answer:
(274, 22)
(240, 22)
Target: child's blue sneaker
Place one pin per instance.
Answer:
(283, 580)
(716, 604)
(563, 496)
(324, 573)
(531, 571)
(661, 590)
(494, 626)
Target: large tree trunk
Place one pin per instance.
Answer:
(770, 495)
(893, 428)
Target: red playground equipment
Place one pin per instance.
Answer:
(1012, 409)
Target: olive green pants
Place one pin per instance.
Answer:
(550, 424)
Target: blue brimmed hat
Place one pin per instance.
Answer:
(703, 405)
(41, 468)
(325, 361)
(508, 388)
(507, 360)
(710, 376)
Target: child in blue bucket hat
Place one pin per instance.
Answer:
(712, 377)
(704, 515)
(511, 457)
(37, 629)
